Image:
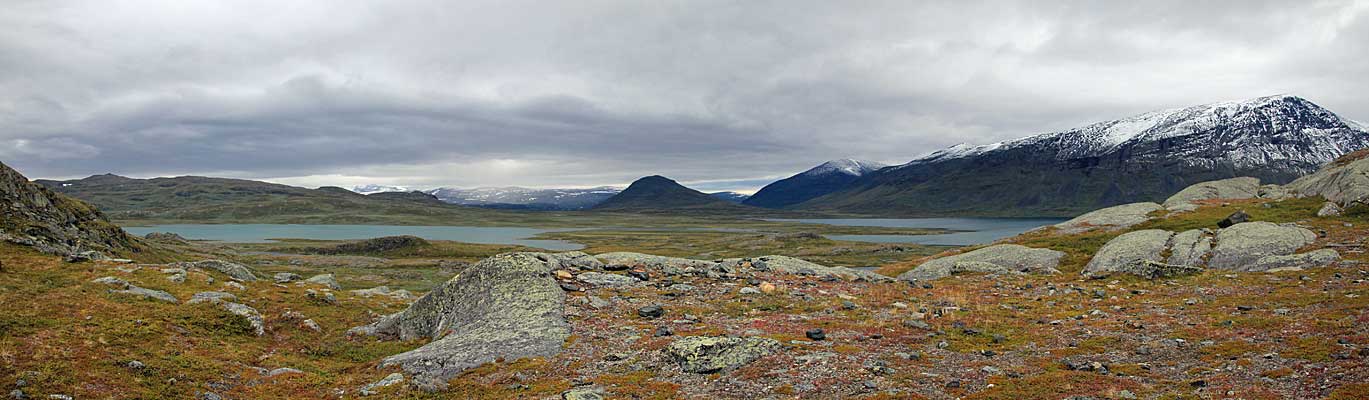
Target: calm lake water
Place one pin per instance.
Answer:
(980, 230)
(259, 233)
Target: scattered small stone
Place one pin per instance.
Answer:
(286, 277)
(136, 365)
(389, 380)
(663, 331)
(848, 305)
(816, 334)
(652, 311)
(749, 290)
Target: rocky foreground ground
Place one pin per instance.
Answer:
(1232, 290)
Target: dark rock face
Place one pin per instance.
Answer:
(1233, 219)
(1144, 158)
(504, 307)
(34, 215)
(820, 180)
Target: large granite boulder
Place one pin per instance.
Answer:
(1312, 259)
(1111, 218)
(504, 307)
(1344, 182)
(1234, 188)
(1240, 246)
(1002, 258)
(1127, 250)
(706, 355)
(1189, 247)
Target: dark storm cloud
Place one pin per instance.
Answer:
(587, 93)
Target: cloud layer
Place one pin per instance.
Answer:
(587, 93)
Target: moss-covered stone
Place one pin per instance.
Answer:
(706, 355)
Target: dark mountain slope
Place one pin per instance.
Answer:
(829, 177)
(1143, 158)
(658, 193)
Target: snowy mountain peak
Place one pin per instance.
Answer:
(845, 166)
(372, 189)
(1269, 115)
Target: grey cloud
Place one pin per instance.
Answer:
(587, 93)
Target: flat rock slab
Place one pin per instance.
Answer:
(706, 355)
(629, 258)
(504, 307)
(1111, 218)
(1311, 259)
(1238, 247)
(233, 270)
(791, 265)
(1002, 258)
(600, 279)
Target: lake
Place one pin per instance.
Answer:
(260, 233)
(978, 230)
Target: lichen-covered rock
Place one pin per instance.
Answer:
(1312, 259)
(584, 393)
(399, 294)
(1188, 248)
(1002, 257)
(600, 279)
(1123, 252)
(147, 293)
(1330, 210)
(286, 277)
(791, 265)
(1234, 188)
(247, 313)
(1115, 217)
(211, 297)
(706, 355)
(629, 258)
(325, 280)
(1238, 247)
(112, 281)
(576, 260)
(504, 307)
(1344, 182)
(374, 387)
(235, 271)
(1151, 269)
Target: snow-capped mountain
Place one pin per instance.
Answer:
(817, 181)
(1142, 158)
(373, 189)
(529, 198)
(733, 197)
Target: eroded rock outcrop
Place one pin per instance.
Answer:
(1249, 246)
(34, 215)
(791, 265)
(504, 307)
(1344, 181)
(1003, 258)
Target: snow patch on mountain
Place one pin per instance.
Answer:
(373, 189)
(845, 166)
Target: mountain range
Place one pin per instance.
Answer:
(829, 177)
(1142, 158)
(526, 198)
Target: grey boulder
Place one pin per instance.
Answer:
(706, 355)
(600, 279)
(1240, 246)
(1002, 258)
(505, 307)
(325, 280)
(235, 271)
(1127, 250)
(1341, 182)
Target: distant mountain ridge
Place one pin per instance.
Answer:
(731, 197)
(826, 178)
(1143, 158)
(527, 198)
(658, 193)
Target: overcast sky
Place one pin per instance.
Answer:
(720, 95)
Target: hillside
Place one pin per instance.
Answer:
(658, 193)
(829, 177)
(204, 199)
(34, 215)
(1143, 158)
